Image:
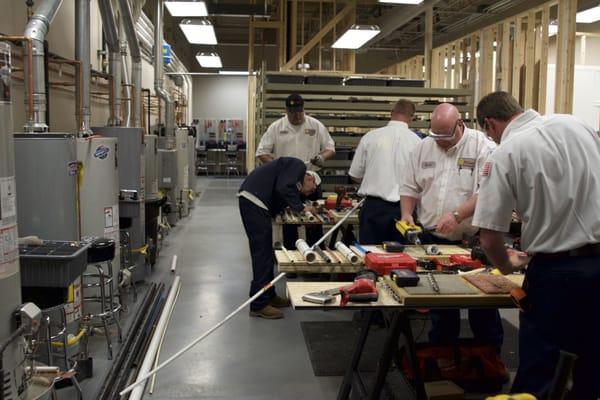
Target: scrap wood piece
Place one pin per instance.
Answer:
(491, 284)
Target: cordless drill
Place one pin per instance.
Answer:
(410, 232)
(362, 290)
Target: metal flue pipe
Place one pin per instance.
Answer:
(82, 54)
(114, 59)
(36, 29)
(136, 61)
(158, 71)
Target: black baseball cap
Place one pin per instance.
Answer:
(294, 102)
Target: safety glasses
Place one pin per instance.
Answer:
(445, 136)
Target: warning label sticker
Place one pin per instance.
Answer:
(8, 200)
(9, 251)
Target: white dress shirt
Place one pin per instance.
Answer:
(304, 141)
(548, 169)
(444, 180)
(381, 159)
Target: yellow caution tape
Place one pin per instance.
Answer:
(142, 250)
(72, 340)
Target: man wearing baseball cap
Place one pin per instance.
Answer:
(304, 137)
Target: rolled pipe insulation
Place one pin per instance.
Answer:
(174, 263)
(309, 217)
(142, 379)
(138, 391)
(346, 252)
(304, 249)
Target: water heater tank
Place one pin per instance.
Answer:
(10, 281)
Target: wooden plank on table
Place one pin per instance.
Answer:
(295, 259)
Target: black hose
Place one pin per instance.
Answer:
(3, 346)
(117, 364)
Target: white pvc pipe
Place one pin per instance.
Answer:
(199, 339)
(304, 249)
(138, 392)
(346, 252)
(174, 263)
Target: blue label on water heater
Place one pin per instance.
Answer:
(101, 152)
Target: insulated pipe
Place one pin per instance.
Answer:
(36, 29)
(114, 59)
(346, 252)
(82, 54)
(142, 378)
(136, 61)
(309, 255)
(147, 364)
(158, 72)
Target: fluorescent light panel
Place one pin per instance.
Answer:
(233, 73)
(209, 60)
(401, 1)
(588, 16)
(198, 32)
(186, 8)
(356, 36)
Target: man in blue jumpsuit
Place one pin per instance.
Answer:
(267, 191)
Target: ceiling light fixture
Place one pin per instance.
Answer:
(209, 60)
(356, 36)
(189, 8)
(588, 16)
(401, 1)
(198, 31)
(240, 73)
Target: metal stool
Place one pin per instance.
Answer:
(103, 251)
(57, 344)
(232, 159)
(127, 258)
(202, 161)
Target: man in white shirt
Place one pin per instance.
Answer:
(300, 136)
(442, 178)
(548, 169)
(378, 165)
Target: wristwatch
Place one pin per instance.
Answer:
(456, 217)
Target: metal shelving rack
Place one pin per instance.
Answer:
(347, 111)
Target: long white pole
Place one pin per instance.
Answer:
(143, 378)
(338, 224)
(138, 392)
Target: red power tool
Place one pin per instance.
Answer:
(362, 290)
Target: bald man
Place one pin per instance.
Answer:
(442, 180)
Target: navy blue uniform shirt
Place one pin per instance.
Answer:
(277, 184)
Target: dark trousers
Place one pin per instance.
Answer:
(485, 323)
(564, 315)
(290, 235)
(378, 221)
(257, 224)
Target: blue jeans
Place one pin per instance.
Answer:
(564, 315)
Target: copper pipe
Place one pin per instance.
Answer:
(61, 83)
(79, 91)
(29, 42)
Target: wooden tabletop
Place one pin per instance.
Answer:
(292, 261)
(400, 298)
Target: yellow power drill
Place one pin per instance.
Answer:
(410, 232)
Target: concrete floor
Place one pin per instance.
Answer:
(247, 358)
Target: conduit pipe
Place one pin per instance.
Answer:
(148, 363)
(158, 72)
(36, 29)
(82, 54)
(114, 59)
(136, 61)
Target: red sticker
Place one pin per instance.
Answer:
(486, 168)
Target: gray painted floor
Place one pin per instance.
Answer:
(247, 358)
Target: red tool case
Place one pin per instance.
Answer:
(383, 263)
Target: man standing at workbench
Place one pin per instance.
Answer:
(301, 136)
(263, 194)
(548, 169)
(443, 178)
(379, 164)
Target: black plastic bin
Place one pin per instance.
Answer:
(289, 79)
(365, 82)
(324, 80)
(406, 83)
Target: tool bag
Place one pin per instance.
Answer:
(468, 363)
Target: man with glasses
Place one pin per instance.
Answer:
(301, 136)
(442, 180)
(378, 165)
(547, 168)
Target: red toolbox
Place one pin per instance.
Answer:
(465, 260)
(384, 263)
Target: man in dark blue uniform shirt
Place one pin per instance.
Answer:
(267, 191)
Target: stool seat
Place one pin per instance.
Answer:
(101, 250)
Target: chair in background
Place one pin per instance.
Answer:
(233, 164)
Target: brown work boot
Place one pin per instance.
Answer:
(280, 302)
(268, 312)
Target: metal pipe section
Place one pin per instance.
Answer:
(143, 378)
(158, 72)
(309, 255)
(137, 393)
(36, 29)
(114, 59)
(136, 61)
(82, 54)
